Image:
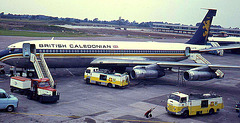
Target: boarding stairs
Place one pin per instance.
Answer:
(218, 52)
(198, 58)
(41, 68)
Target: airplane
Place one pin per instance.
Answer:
(226, 41)
(148, 60)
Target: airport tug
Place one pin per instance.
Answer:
(193, 104)
(105, 77)
(38, 89)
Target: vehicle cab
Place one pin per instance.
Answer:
(177, 102)
(89, 71)
(43, 87)
(8, 102)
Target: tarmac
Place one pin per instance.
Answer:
(81, 102)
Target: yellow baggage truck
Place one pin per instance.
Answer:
(193, 104)
(104, 77)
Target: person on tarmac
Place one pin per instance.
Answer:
(148, 113)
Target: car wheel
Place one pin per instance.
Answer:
(211, 111)
(185, 114)
(10, 108)
(88, 81)
(109, 85)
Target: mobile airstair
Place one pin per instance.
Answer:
(217, 52)
(198, 58)
(41, 68)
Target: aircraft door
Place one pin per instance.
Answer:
(33, 48)
(187, 51)
(26, 50)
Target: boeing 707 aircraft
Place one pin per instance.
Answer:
(148, 59)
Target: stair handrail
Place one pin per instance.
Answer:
(34, 60)
(46, 69)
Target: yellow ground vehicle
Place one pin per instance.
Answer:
(193, 104)
(104, 77)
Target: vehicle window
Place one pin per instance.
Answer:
(174, 97)
(43, 84)
(204, 104)
(2, 95)
(103, 77)
(87, 71)
(183, 100)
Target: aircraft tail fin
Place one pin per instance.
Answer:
(201, 35)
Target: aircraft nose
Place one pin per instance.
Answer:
(3, 53)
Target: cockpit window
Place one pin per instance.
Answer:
(12, 49)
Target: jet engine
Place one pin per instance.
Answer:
(147, 72)
(199, 74)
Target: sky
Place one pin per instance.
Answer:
(172, 11)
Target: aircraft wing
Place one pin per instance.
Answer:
(231, 46)
(132, 63)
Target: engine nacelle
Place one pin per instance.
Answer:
(146, 74)
(191, 75)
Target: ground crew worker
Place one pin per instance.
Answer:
(149, 113)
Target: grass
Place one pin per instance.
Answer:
(37, 28)
(43, 34)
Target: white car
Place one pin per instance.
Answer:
(8, 102)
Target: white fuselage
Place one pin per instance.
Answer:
(71, 53)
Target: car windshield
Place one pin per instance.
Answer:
(174, 97)
(44, 84)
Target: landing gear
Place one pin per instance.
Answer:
(30, 74)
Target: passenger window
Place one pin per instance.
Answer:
(204, 104)
(103, 77)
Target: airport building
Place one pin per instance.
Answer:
(185, 29)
